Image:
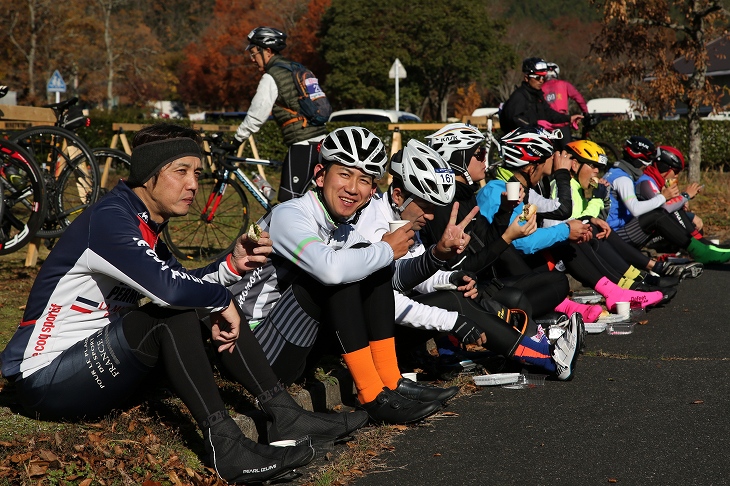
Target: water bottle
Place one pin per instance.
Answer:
(263, 186)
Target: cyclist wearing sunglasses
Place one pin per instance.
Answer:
(527, 106)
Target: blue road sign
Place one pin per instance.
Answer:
(56, 84)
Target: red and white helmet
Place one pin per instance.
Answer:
(526, 145)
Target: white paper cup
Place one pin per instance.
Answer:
(513, 191)
(410, 376)
(623, 308)
(394, 225)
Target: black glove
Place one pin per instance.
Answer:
(457, 278)
(467, 330)
(601, 192)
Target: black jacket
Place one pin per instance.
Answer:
(486, 245)
(525, 107)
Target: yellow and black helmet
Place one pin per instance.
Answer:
(587, 152)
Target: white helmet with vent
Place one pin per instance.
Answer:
(424, 174)
(355, 147)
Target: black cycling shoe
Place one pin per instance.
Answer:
(292, 422)
(392, 408)
(424, 392)
(660, 281)
(668, 293)
(238, 459)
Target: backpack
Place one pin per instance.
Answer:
(314, 106)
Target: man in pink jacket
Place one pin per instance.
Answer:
(558, 94)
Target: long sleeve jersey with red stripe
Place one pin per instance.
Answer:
(106, 261)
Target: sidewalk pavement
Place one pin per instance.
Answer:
(650, 408)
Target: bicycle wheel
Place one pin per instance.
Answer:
(216, 218)
(113, 165)
(23, 197)
(62, 155)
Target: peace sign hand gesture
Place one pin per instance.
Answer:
(454, 241)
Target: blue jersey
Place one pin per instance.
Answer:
(106, 261)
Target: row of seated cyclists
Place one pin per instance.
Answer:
(466, 264)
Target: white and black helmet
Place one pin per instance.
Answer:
(424, 174)
(456, 143)
(266, 38)
(553, 71)
(355, 147)
(527, 145)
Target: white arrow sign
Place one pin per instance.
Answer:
(397, 71)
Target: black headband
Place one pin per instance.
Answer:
(149, 158)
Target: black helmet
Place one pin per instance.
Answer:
(534, 65)
(640, 149)
(266, 38)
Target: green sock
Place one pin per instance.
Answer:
(707, 253)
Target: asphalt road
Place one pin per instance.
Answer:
(652, 408)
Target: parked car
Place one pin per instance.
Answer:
(485, 112)
(616, 108)
(373, 115)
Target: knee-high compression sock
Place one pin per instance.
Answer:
(386, 361)
(590, 312)
(613, 293)
(366, 377)
(629, 277)
(707, 254)
(535, 351)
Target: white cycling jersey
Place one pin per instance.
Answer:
(307, 240)
(373, 224)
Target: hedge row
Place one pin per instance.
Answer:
(715, 147)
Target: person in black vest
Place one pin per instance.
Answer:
(526, 105)
(277, 94)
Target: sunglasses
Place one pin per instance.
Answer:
(481, 154)
(253, 54)
(539, 77)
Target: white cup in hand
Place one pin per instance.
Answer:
(513, 191)
(394, 225)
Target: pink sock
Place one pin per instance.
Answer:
(613, 293)
(589, 312)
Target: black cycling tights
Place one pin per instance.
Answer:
(544, 290)
(358, 312)
(101, 372)
(176, 339)
(584, 264)
(661, 223)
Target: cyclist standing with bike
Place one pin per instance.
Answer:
(558, 94)
(526, 106)
(277, 94)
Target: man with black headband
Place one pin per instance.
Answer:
(85, 344)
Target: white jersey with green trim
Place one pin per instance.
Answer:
(306, 239)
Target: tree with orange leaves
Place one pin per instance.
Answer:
(641, 39)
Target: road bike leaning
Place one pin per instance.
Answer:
(23, 199)
(220, 212)
(70, 171)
